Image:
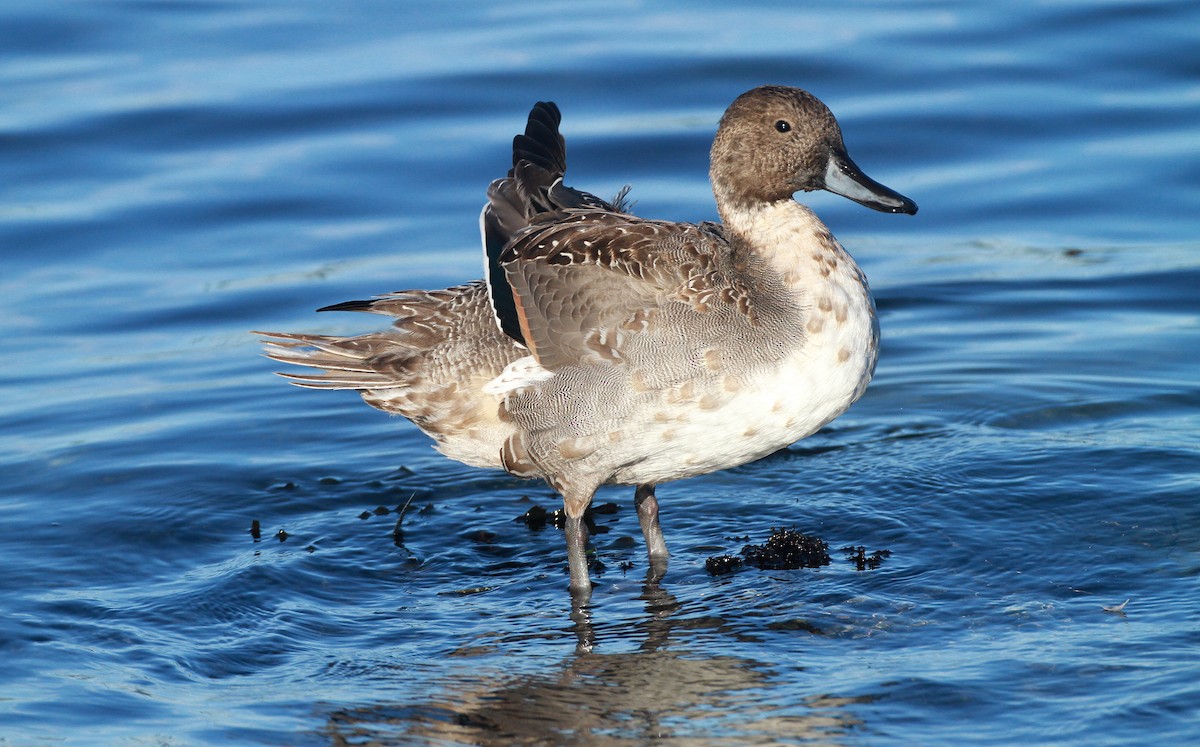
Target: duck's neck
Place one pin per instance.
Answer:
(838, 314)
(793, 241)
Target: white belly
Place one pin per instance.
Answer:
(720, 429)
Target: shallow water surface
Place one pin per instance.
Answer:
(1029, 452)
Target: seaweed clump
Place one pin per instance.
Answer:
(857, 554)
(788, 549)
(719, 565)
(538, 518)
(785, 549)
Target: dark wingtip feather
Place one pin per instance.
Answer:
(542, 144)
(350, 306)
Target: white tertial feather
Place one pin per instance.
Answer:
(521, 373)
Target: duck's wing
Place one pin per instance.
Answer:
(587, 285)
(532, 189)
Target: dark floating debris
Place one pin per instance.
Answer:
(398, 530)
(857, 554)
(535, 518)
(482, 536)
(795, 625)
(624, 542)
(558, 518)
(719, 565)
(466, 592)
(787, 549)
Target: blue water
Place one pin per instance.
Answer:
(175, 174)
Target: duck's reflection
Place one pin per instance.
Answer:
(596, 698)
(660, 606)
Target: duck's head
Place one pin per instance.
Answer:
(774, 141)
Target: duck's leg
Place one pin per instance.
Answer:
(656, 545)
(575, 502)
(577, 537)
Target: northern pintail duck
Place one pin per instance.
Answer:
(607, 348)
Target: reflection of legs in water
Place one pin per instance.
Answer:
(581, 616)
(641, 697)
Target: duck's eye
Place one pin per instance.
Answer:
(783, 125)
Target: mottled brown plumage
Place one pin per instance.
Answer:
(608, 348)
